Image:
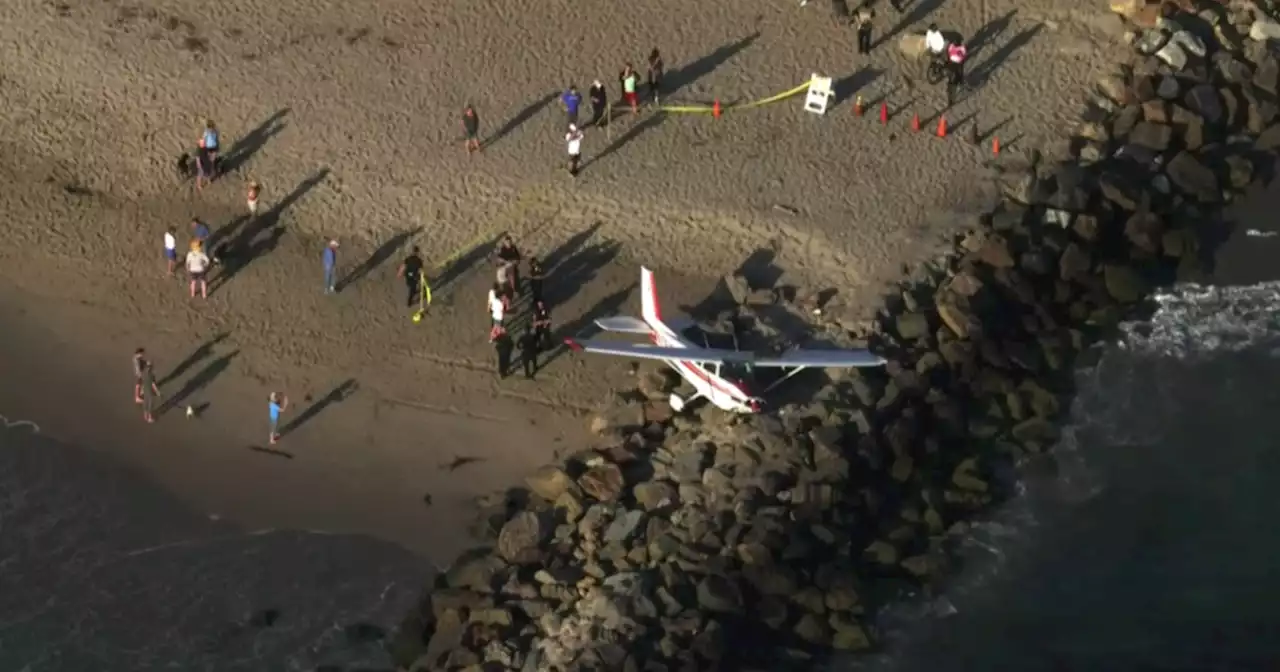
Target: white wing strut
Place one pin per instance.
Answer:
(642, 351)
(822, 359)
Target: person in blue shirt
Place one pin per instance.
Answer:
(276, 404)
(330, 264)
(207, 161)
(571, 101)
(201, 232)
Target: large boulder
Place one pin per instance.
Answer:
(1155, 136)
(604, 482)
(1124, 284)
(1173, 56)
(1203, 100)
(521, 536)
(1264, 28)
(549, 482)
(1194, 178)
(720, 594)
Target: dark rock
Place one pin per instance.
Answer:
(1124, 284)
(1267, 76)
(995, 253)
(1152, 135)
(1119, 190)
(1144, 231)
(1086, 226)
(1269, 139)
(1124, 121)
(1239, 171)
(1203, 100)
(1194, 178)
(849, 634)
(475, 572)
(1074, 263)
(1232, 69)
(1155, 111)
(814, 630)
(603, 482)
(719, 594)
(1144, 88)
(652, 495)
(1193, 136)
(913, 326)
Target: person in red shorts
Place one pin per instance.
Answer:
(630, 81)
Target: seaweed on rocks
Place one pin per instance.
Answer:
(768, 542)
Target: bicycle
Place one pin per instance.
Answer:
(937, 71)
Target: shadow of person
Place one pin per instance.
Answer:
(246, 147)
(197, 382)
(379, 257)
(522, 116)
(610, 305)
(198, 354)
(338, 394)
(688, 74)
(246, 245)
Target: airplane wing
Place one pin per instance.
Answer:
(624, 325)
(643, 351)
(821, 359)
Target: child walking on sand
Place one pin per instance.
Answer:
(252, 198)
(276, 404)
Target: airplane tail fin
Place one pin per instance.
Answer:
(649, 299)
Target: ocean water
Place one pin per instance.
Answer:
(101, 570)
(1151, 539)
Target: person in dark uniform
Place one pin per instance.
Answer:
(656, 69)
(411, 270)
(862, 19)
(542, 324)
(529, 352)
(503, 346)
(508, 254)
(535, 280)
(599, 97)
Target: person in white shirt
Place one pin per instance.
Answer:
(171, 248)
(497, 311)
(934, 41)
(574, 139)
(197, 267)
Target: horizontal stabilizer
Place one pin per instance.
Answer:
(820, 359)
(624, 325)
(643, 351)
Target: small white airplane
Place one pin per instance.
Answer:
(722, 377)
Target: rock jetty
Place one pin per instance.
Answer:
(767, 543)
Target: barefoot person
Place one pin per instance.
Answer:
(411, 270)
(599, 102)
(171, 248)
(197, 269)
(140, 364)
(149, 391)
(471, 126)
(276, 404)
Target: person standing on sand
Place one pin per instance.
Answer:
(497, 312)
(571, 101)
(471, 126)
(200, 232)
(140, 366)
(502, 347)
(207, 162)
(508, 255)
(276, 404)
(171, 248)
(411, 270)
(599, 102)
(149, 392)
(528, 345)
(330, 260)
(251, 199)
(630, 81)
(656, 69)
(573, 139)
(197, 268)
(542, 324)
(862, 18)
(536, 275)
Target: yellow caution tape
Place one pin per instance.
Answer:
(703, 109)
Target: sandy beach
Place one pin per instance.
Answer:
(350, 118)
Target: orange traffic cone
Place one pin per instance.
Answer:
(942, 127)
(884, 113)
(715, 109)
(857, 106)
(915, 122)
(995, 146)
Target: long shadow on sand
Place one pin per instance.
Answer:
(338, 394)
(246, 147)
(379, 256)
(651, 121)
(249, 243)
(192, 359)
(197, 382)
(916, 14)
(846, 87)
(688, 74)
(610, 305)
(983, 72)
(988, 34)
(522, 116)
(454, 270)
